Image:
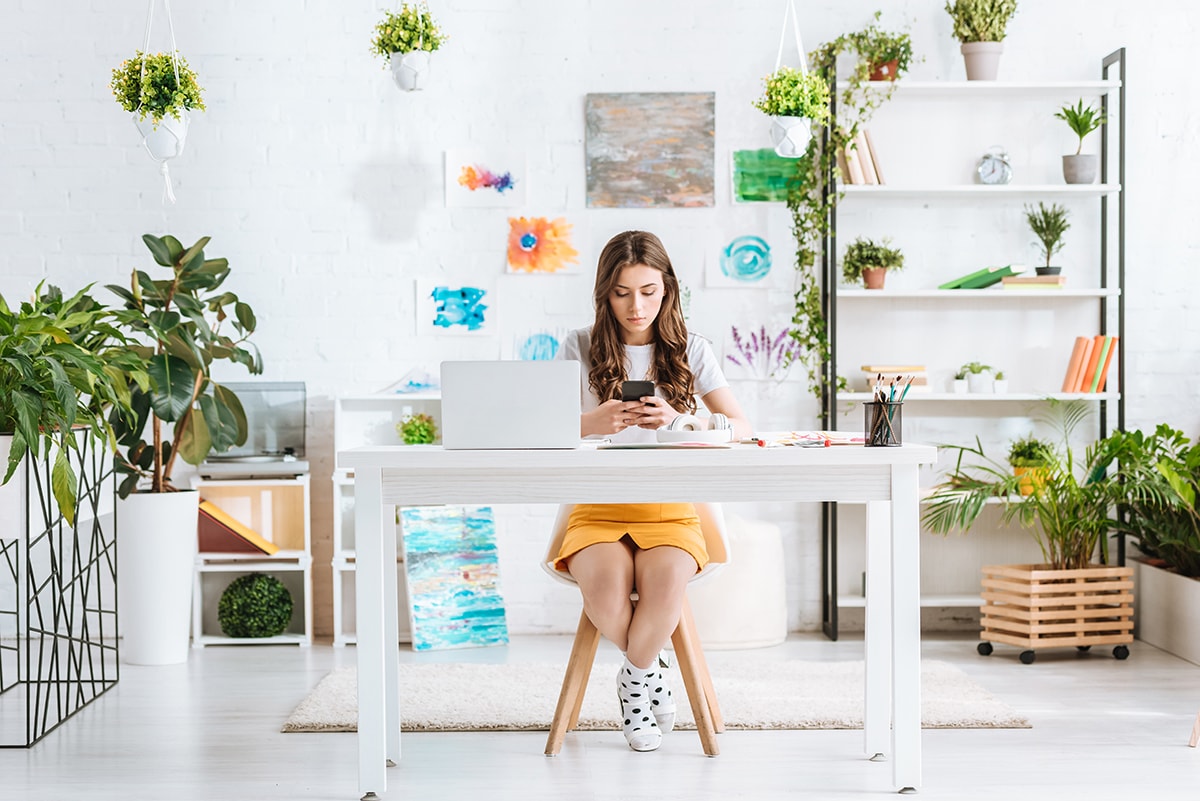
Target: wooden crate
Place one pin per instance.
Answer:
(1033, 607)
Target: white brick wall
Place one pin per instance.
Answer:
(321, 182)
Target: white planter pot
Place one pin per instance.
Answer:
(165, 140)
(1000, 386)
(156, 549)
(790, 136)
(410, 71)
(1080, 169)
(960, 386)
(981, 382)
(1167, 610)
(982, 60)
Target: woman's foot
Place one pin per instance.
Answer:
(662, 703)
(637, 712)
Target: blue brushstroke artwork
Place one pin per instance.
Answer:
(453, 577)
(538, 347)
(747, 258)
(459, 307)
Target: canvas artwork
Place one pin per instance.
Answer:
(445, 307)
(650, 149)
(540, 344)
(760, 352)
(760, 176)
(541, 245)
(744, 261)
(453, 577)
(485, 178)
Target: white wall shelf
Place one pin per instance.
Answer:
(1006, 89)
(978, 190)
(946, 601)
(989, 397)
(974, 294)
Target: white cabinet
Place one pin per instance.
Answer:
(278, 509)
(367, 420)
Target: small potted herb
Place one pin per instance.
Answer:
(1048, 224)
(1080, 168)
(1029, 457)
(417, 429)
(884, 55)
(960, 385)
(869, 262)
(999, 383)
(796, 101)
(164, 88)
(980, 27)
(406, 38)
(980, 377)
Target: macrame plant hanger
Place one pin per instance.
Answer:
(790, 135)
(168, 192)
(788, 10)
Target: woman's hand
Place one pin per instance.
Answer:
(614, 416)
(655, 413)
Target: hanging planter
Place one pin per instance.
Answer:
(165, 139)
(795, 99)
(406, 38)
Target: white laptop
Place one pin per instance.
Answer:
(510, 405)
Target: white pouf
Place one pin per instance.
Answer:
(744, 604)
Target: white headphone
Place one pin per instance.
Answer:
(689, 422)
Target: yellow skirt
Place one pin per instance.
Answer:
(648, 525)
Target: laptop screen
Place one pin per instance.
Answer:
(510, 404)
(275, 420)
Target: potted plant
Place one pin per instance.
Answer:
(999, 383)
(884, 55)
(960, 385)
(980, 377)
(980, 25)
(869, 262)
(1048, 224)
(417, 429)
(795, 101)
(1029, 457)
(406, 38)
(162, 87)
(182, 323)
(1080, 168)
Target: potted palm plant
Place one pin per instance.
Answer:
(406, 38)
(1048, 224)
(980, 27)
(182, 323)
(796, 101)
(868, 262)
(1081, 167)
(160, 90)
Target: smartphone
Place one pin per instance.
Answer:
(635, 390)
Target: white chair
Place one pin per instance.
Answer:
(692, 667)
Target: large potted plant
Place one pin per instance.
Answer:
(1081, 167)
(182, 322)
(868, 262)
(406, 38)
(795, 101)
(1069, 599)
(160, 90)
(980, 27)
(1048, 224)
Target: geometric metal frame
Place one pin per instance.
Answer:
(64, 589)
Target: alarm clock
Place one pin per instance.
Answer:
(993, 167)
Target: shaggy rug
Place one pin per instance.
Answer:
(754, 695)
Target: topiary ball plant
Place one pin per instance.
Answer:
(255, 605)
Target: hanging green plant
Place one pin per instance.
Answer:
(156, 92)
(404, 31)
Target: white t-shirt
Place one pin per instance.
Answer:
(705, 367)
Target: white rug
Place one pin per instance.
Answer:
(753, 695)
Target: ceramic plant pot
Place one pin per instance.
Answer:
(166, 139)
(885, 71)
(1052, 270)
(982, 60)
(410, 71)
(1080, 169)
(790, 136)
(981, 382)
(960, 386)
(873, 277)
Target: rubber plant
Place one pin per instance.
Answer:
(811, 197)
(182, 323)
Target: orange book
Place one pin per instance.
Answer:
(1073, 366)
(1085, 377)
(1078, 376)
(1098, 385)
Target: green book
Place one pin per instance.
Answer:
(992, 276)
(1108, 341)
(958, 282)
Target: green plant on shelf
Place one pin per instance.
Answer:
(876, 47)
(866, 254)
(417, 429)
(1048, 224)
(1082, 121)
(255, 605)
(973, 368)
(1029, 452)
(981, 20)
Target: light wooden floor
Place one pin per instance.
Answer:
(1102, 729)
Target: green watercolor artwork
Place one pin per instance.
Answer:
(761, 176)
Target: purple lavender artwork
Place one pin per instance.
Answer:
(762, 355)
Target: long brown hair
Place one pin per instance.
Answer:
(670, 370)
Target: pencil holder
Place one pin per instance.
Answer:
(882, 424)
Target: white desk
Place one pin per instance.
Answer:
(885, 478)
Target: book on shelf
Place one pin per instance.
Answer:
(1085, 376)
(1079, 357)
(868, 162)
(857, 162)
(219, 532)
(1034, 281)
(917, 372)
(874, 157)
(854, 164)
(1106, 355)
(984, 278)
(1091, 357)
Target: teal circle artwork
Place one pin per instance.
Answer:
(539, 348)
(747, 258)
(528, 242)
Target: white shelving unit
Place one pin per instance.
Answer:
(366, 420)
(279, 510)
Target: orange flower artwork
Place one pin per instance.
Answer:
(539, 245)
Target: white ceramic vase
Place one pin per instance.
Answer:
(981, 382)
(166, 139)
(1080, 169)
(1000, 386)
(156, 550)
(790, 136)
(982, 60)
(410, 71)
(960, 386)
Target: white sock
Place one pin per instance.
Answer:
(637, 714)
(662, 703)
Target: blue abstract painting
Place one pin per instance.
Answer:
(459, 307)
(453, 577)
(746, 258)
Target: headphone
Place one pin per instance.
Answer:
(689, 422)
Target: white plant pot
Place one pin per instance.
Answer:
(981, 382)
(790, 136)
(156, 549)
(1000, 386)
(982, 60)
(1167, 610)
(1080, 169)
(960, 386)
(165, 140)
(410, 71)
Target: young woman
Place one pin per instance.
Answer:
(610, 549)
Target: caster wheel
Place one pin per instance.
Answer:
(984, 649)
(1027, 657)
(1083, 648)
(1121, 652)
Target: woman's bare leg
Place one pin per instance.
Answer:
(605, 572)
(661, 577)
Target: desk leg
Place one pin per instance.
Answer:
(368, 601)
(877, 720)
(391, 637)
(906, 628)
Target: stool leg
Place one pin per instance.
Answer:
(1195, 732)
(579, 667)
(710, 694)
(685, 655)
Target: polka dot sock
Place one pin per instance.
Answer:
(637, 714)
(662, 703)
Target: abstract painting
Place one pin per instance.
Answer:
(536, 345)
(761, 176)
(453, 308)
(650, 149)
(485, 178)
(541, 245)
(745, 261)
(453, 577)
